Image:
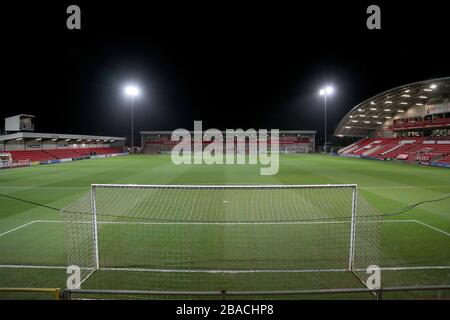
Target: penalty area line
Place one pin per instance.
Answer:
(222, 223)
(17, 228)
(431, 227)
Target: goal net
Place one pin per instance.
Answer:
(213, 238)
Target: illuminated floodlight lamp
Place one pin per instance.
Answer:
(131, 90)
(326, 91)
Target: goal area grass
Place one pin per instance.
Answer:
(413, 250)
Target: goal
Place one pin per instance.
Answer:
(192, 238)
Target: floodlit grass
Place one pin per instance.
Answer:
(421, 241)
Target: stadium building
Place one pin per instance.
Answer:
(409, 123)
(290, 141)
(21, 146)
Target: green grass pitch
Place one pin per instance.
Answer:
(415, 247)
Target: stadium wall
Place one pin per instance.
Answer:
(291, 141)
(27, 163)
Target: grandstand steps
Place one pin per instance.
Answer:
(381, 149)
(391, 149)
(372, 150)
(401, 148)
(417, 149)
(57, 154)
(348, 149)
(365, 145)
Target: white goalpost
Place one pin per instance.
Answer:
(230, 237)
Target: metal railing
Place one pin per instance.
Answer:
(223, 294)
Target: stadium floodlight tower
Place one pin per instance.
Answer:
(132, 91)
(326, 91)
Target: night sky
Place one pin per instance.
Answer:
(257, 65)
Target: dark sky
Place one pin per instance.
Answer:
(248, 64)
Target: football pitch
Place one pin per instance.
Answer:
(414, 249)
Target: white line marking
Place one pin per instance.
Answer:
(16, 266)
(389, 221)
(222, 271)
(218, 223)
(403, 187)
(17, 228)
(431, 227)
(21, 266)
(412, 268)
(227, 223)
(175, 223)
(36, 187)
(270, 270)
(88, 187)
(189, 223)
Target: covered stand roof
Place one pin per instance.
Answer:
(36, 135)
(377, 112)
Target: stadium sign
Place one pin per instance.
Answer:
(236, 147)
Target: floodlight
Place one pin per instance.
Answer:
(132, 90)
(328, 90)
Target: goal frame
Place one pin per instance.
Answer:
(354, 188)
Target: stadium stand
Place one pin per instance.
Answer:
(96, 151)
(43, 155)
(31, 155)
(20, 145)
(290, 141)
(63, 153)
(408, 149)
(410, 123)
